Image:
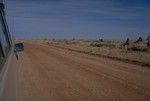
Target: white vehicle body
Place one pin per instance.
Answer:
(9, 87)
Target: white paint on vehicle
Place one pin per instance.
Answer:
(4, 73)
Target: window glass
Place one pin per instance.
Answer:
(6, 30)
(1, 57)
(1, 53)
(3, 37)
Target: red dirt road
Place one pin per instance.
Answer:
(48, 73)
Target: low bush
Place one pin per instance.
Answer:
(103, 45)
(137, 48)
(97, 45)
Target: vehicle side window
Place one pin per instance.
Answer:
(1, 57)
(4, 39)
(5, 44)
(6, 29)
(1, 50)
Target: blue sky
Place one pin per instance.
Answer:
(81, 19)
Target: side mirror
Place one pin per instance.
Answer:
(19, 47)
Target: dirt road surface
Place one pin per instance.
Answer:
(48, 73)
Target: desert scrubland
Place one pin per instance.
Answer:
(49, 72)
(136, 52)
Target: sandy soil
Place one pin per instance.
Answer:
(48, 73)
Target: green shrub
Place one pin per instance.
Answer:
(103, 45)
(97, 45)
(137, 48)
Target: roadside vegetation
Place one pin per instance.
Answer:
(113, 48)
(116, 44)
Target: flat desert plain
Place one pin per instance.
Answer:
(49, 73)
